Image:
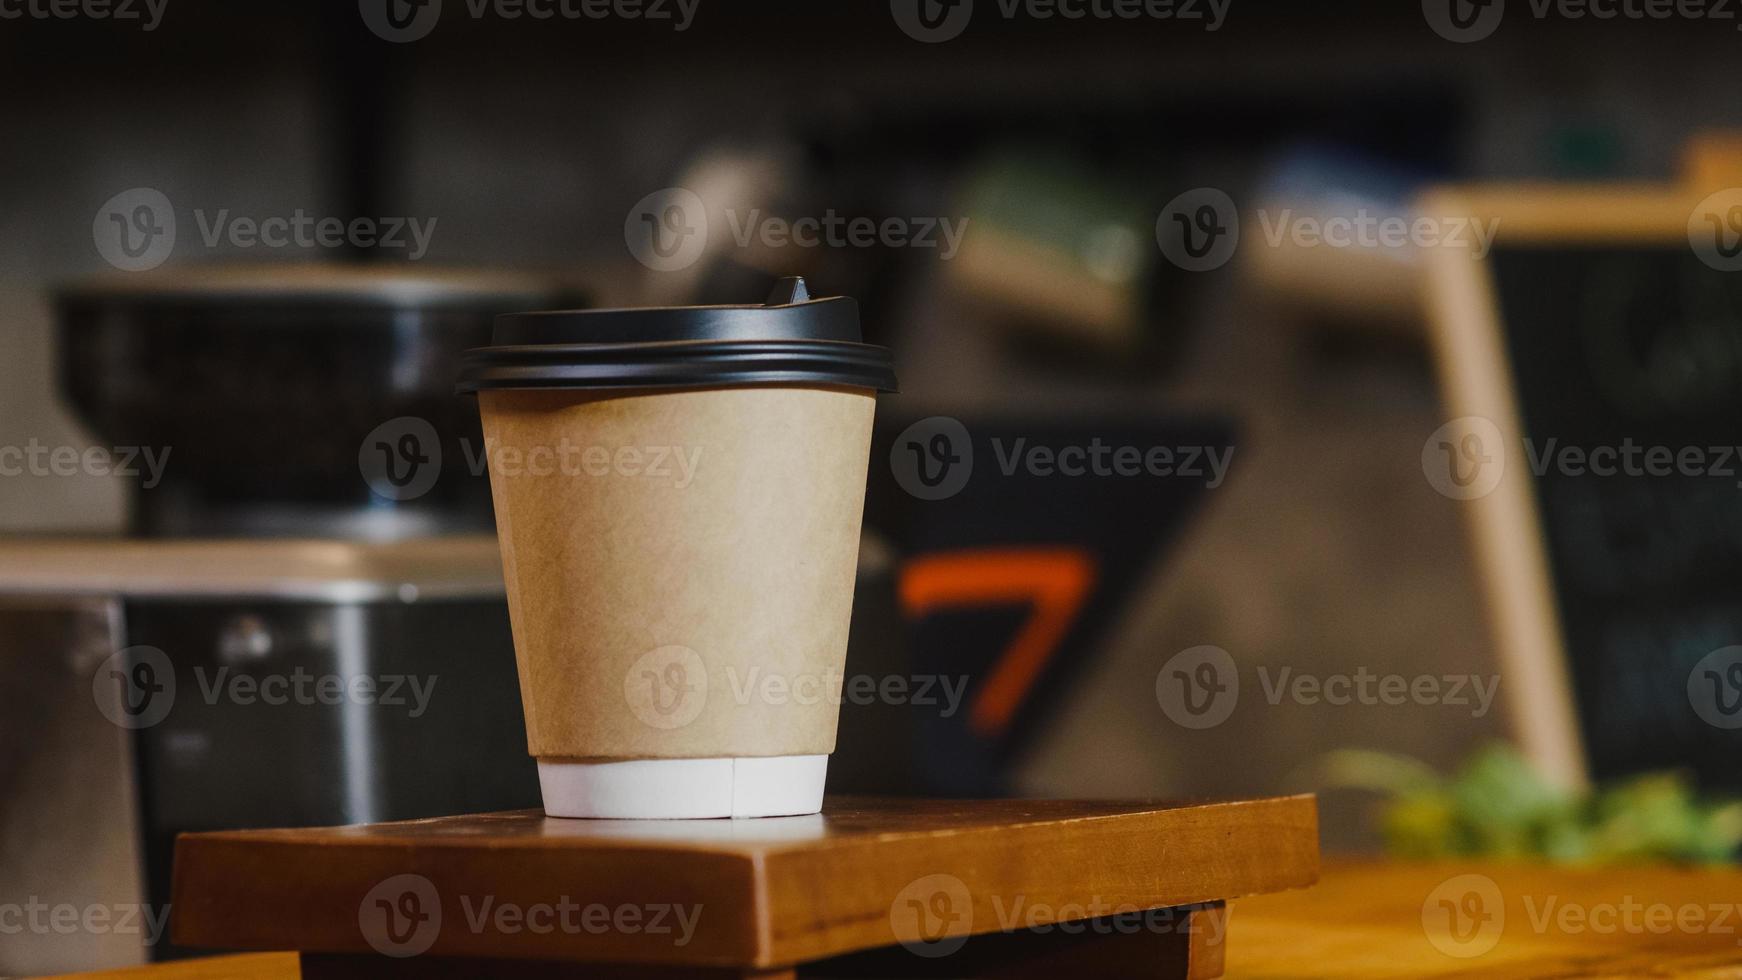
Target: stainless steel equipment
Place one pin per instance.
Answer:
(154, 687)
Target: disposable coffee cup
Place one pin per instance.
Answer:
(678, 497)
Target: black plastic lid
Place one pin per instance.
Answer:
(792, 339)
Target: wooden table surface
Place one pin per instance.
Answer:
(1366, 919)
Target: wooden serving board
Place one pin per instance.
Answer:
(870, 886)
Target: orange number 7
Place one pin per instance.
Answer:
(1055, 581)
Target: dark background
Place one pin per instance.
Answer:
(530, 143)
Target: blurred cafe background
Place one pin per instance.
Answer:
(229, 444)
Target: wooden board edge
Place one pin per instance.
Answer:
(216, 872)
(870, 927)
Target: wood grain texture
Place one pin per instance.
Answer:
(1369, 920)
(246, 966)
(770, 893)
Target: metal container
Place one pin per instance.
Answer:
(263, 382)
(153, 687)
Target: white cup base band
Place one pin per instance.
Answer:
(683, 789)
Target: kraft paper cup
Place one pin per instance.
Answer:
(679, 522)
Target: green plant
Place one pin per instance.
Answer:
(1496, 805)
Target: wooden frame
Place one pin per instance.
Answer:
(1476, 378)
